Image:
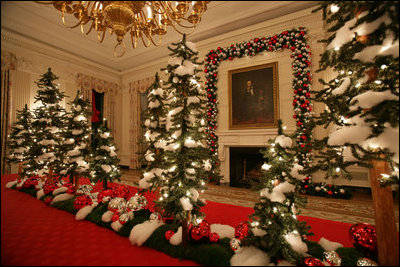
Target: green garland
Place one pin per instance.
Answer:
(202, 252)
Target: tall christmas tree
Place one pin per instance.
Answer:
(362, 104)
(75, 139)
(49, 119)
(185, 165)
(274, 225)
(104, 163)
(362, 101)
(20, 139)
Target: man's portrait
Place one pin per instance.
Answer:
(253, 97)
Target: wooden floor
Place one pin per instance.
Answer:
(355, 210)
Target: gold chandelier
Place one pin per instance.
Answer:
(142, 19)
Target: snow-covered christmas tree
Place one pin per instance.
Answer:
(362, 101)
(362, 105)
(75, 140)
(49, 119)
(104, 163)
(274, 227)
(20, 139)
(185, 158)
(155, 129)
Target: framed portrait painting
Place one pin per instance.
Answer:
(253, 97)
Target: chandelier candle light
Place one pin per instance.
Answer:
(142, 19)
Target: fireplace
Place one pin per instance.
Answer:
(245, 166)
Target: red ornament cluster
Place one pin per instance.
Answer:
(241, 230)
(363, 237)
(30, 182)
(121, 191)
(295, 41)
(82, 201)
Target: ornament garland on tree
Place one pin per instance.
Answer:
(75, 140)
(273, 227)
(295, 40)
(49, 120)
(104, 164)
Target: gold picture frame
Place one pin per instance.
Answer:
(253, 97)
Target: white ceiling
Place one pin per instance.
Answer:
(42, 23)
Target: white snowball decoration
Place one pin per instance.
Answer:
(176, 239)
(83, 212)
(295, 172)
(62, 197)
(116, 226)
(141, 232)
(105, 135)
(40, 194)
(294, 240)
(250, 256)
(223, 230)
(60, 190)
(185, 202)
(11, 184)
(284, 141)
(106, 168)
(329, 245)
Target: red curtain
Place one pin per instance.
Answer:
(95, 112)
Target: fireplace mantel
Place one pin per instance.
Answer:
(242, 138)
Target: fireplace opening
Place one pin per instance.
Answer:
(245, 166)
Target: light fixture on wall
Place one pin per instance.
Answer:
(142, 19)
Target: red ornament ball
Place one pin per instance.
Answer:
(104, 195)
(310, 261)
(363, 237)
(82, 201)
(121, 191)
(196, 233)
(241, 230)
(48, 188)
(71, 190)
(169, 234)
(214, 237)
(48, 200)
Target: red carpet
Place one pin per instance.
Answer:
(35, 234)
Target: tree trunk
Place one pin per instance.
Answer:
(105, 184)
(19, 168)
(51, 179)
(385, 223)
(76, 182)
(185, 229)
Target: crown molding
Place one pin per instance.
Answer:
(14, 40)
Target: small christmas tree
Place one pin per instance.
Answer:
(154, 126)
(49, 119)
(20, 139)
(75, 139)
(104, 163)
(185, 158)
(274, 225)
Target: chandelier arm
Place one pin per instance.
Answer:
(176, 29)
(149, 41)
(115, 47)
(102, 38)
(71, 27)
(159, 41)
(134, 43)
(45, 2)
(90, 29)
